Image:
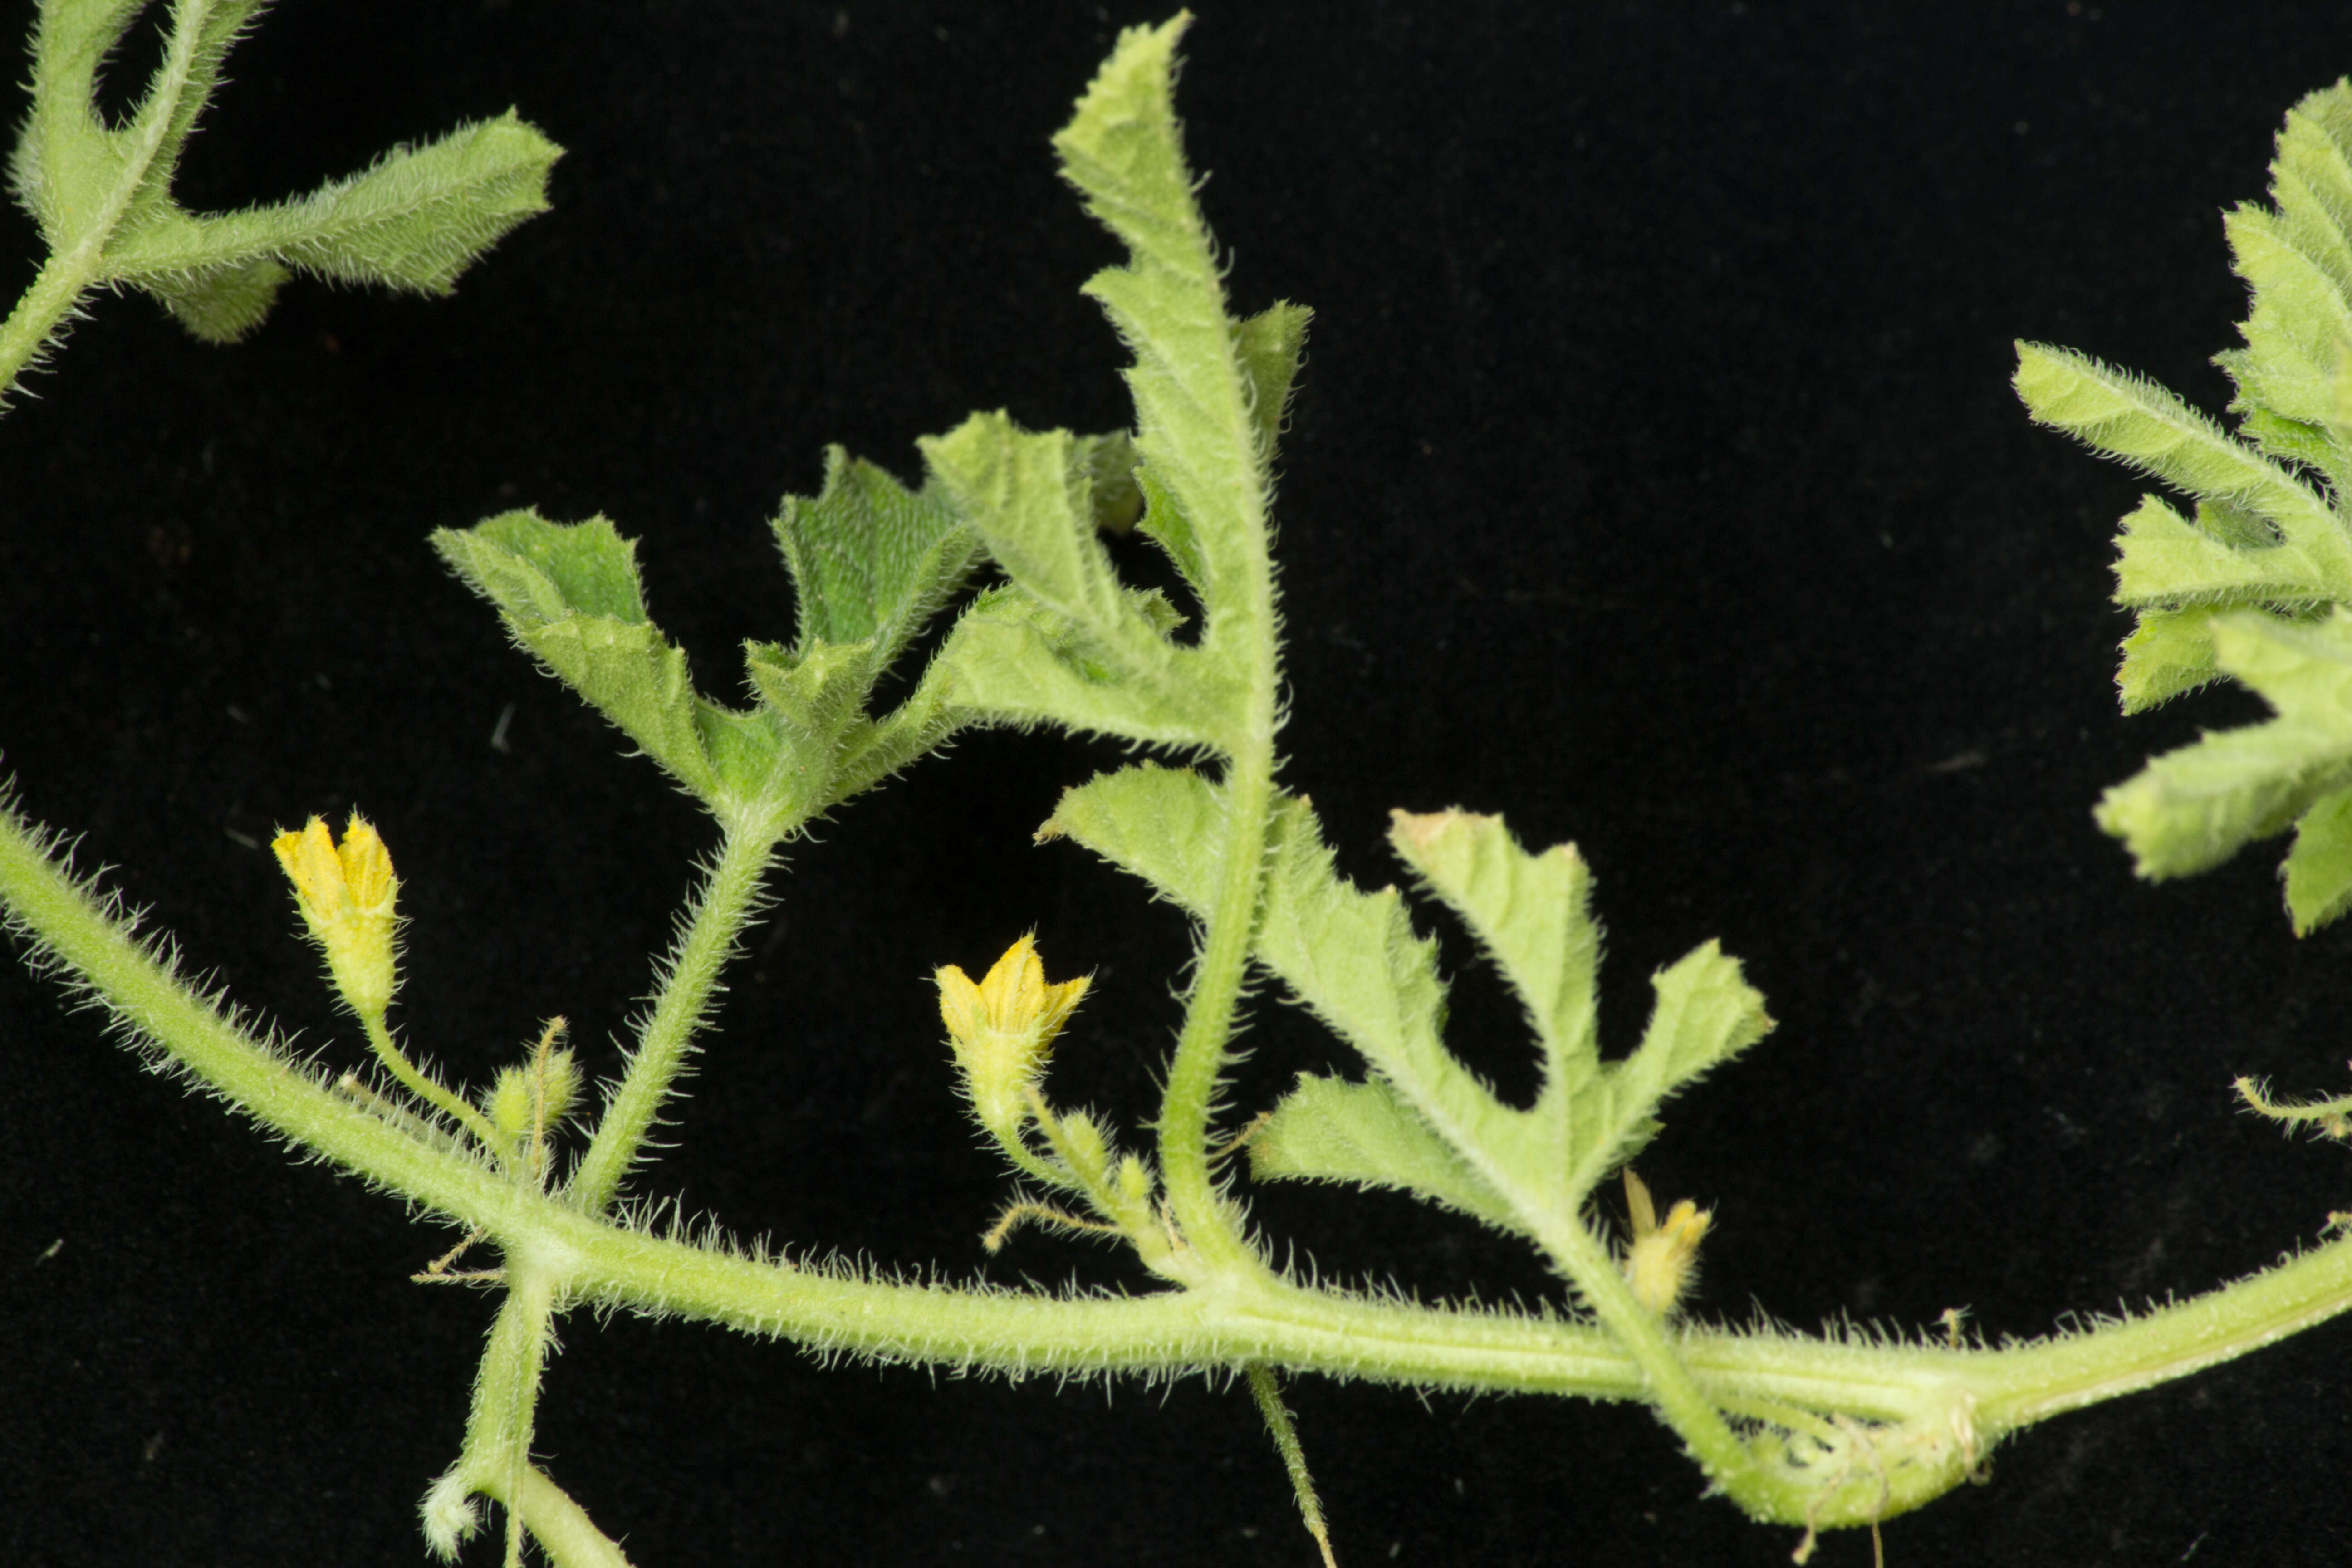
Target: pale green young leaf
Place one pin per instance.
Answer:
(2297, 260)
(571, 597)
(871, 561)
(2145, 426)
(2318, 869)
(1353, 959)
(2311, 178)
(1326, 1129)
(1011, 660)
(2193, 808)
(820, 693)
(2318, 446)
(1073, 647)
(1533, 915)
(1270, 346)
(2168, 654)
(1028, 494)
(2164, 560)
(221, 304)
(2299, 315)
(414, 221)
(1195, 423)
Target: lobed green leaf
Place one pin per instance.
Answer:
(1030, 497)
(871, 561)
(1011, 660)
(2168, 654)
(2193, 808)
(2318, 869)
(2140, 423)
(1532, 913)
(2299, 316)
(414, 221)
(1326, 1129)
(1072, 646)
(1208, 393)
(570, 596)
(869, 556)
(1353, 959)
(67, 155)
(103, 193)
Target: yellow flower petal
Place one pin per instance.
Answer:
(959, 1001)
(1003, 1027)
(348, 898)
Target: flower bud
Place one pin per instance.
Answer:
(1003, 1029)
(347, 893)
(1664, 1255)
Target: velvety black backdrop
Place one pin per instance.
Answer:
(1654, 480)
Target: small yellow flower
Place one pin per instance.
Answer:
(1003, 1030)
(1660, 1262)
(347, 893)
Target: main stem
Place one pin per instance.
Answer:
(1252, 1317)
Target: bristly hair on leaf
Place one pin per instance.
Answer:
(2256, 583)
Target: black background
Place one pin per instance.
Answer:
(1654, 480)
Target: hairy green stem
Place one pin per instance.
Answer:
(1691, 1411)
(561, 1527)
(1208, 1223)
(1248, 1316)
(62, 282)
(499, 1427)
(436, 1095)
(721, 908)
(66, 275)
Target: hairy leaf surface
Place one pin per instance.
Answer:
(415, 220)
(2192, 808)
(1426, 1123)
(571, 597)
(2240, 589)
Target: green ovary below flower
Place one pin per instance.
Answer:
(347, 893)
(1003, 1027)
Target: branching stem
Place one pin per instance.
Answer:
(70, 274)
(721, 908)
(1976, 1395)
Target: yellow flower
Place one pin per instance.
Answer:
(1003, 1027)
(346, 894)
(1660, 1262)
